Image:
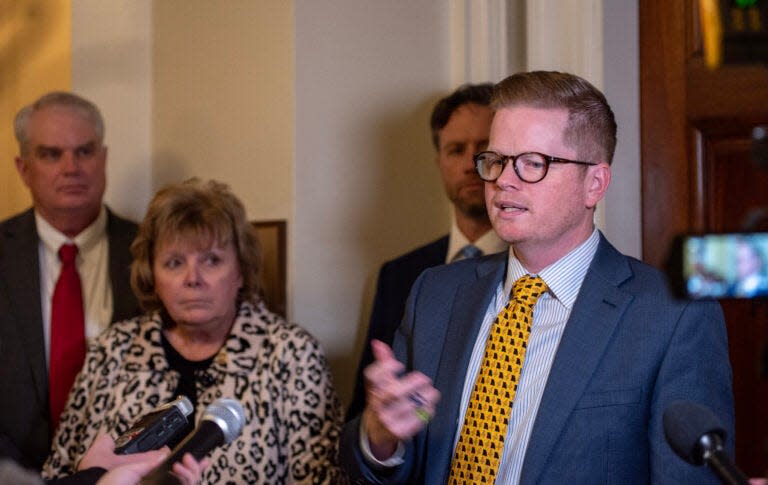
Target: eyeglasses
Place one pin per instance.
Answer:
(531, 167)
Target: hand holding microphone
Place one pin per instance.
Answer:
(151, 432)
(188, 472)
(156, 429)
(221, 423)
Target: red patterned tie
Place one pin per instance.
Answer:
(67, 333)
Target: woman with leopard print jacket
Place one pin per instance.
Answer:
(207, 335)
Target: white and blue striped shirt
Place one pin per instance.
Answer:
(564, 279)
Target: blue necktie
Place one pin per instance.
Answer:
(468, 251)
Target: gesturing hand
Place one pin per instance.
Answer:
(398, 406)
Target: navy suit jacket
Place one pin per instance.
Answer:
(628, 350)
(24, 419)
(395, 280)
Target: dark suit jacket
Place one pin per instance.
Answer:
(24, 420)
(628, 350)
(395, 280)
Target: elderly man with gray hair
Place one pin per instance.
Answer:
(64, 269)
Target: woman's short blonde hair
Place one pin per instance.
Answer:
(202, 212)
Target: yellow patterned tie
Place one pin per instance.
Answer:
(481, 442)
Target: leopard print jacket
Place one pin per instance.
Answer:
(276, 370)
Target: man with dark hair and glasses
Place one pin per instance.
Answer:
(552, 362)
(460, 124)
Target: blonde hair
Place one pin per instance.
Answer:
(205, 212)
(591, 124)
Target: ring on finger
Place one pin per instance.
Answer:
(423, 415)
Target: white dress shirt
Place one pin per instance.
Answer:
(92, 266)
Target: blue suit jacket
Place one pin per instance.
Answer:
(628, 350)
(395, 280)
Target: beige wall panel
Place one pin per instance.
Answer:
(367, 186)
(223, 98)
(111, 66)
(35, 57)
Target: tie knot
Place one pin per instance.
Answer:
(470, 251)
(67, 253)
(528, 288)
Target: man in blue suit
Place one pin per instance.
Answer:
(609, 347)
(460, 124)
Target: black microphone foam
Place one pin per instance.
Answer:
(696, 435)
(684, 425)
(221, 423)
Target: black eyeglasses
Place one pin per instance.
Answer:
(531, 167)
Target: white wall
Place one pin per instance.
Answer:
(621, 85)
(223, 98)
(366, 185)
(111, 66)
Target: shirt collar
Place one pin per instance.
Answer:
(488, 243)
(563, 277)
(88, 237)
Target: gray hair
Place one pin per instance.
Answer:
(56, 98)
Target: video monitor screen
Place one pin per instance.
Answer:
(725, 265)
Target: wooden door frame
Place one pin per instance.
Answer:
(672, 69)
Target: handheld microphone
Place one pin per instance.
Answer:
(696, 435)
(155, 429)
(221, 423)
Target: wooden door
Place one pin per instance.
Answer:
(698, 176)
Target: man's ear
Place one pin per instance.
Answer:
(596, 183)
(21, 167)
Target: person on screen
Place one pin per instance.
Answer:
(751, 274)
(702, 280)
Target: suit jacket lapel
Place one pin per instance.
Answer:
(23, 283)
(594, 317)
(467, 314)
(120, 235)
